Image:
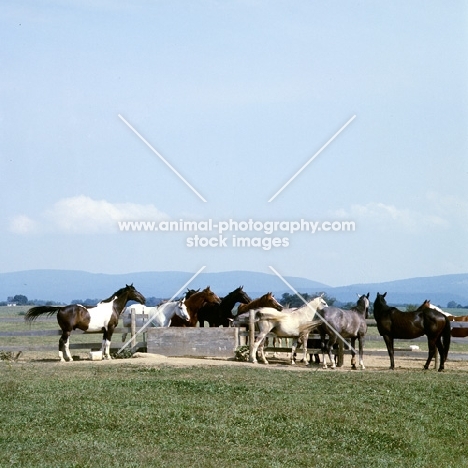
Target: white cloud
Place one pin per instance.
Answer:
(386, 215)
(84, 215)
(21, 224)
(450, 206)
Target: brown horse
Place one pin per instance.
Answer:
(194, 303)
(103, 317)
(393, 323)
(267, 300)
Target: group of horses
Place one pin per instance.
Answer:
(331, 323)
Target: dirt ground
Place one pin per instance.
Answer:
(374, 360)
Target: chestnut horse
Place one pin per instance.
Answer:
(103, 317)
(393, 323)
(267, 300)
(194, 303)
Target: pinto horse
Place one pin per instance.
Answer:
(347, 323)
(393, 323)
(221, 314)
(286, 324)
(194, 303)
(103, 317)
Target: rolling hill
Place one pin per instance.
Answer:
(68, 285)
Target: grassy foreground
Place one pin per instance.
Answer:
(86, 415)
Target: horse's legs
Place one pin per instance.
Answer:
(431, 342)
(389, 342)
(305, 339)
(258, 341)
(361, 350)
(261, 348)
(293, 349)
(105, 348)
(330, 343)
(323, 346)
(106, 342)
(441, 349)
(353, 353)
(64, 344)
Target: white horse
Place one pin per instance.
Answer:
(293, 323)
(159, 316)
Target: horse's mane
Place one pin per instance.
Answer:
(116, 294)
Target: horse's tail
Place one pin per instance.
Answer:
(310, 326)
(35, 312)
(446, 337)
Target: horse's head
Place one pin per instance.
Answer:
(191, 292)
(133, 294)
(380, 300)
(363, 303)
(209, 296)
(241, 296)
(425, 305)
(181, 310)
(318, 303)
(270, 301)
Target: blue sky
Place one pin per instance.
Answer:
(237, 96)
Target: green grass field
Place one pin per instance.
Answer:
(89, 414)
(99, 414)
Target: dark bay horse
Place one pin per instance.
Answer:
(103, 317)
(221, 314)
(195, 301)
(457, 332)
(393, 323)
(349, 324)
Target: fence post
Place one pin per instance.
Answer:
(340, 354)
(133, 327)
(251, 331)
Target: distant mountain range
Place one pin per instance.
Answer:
(68, 285)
